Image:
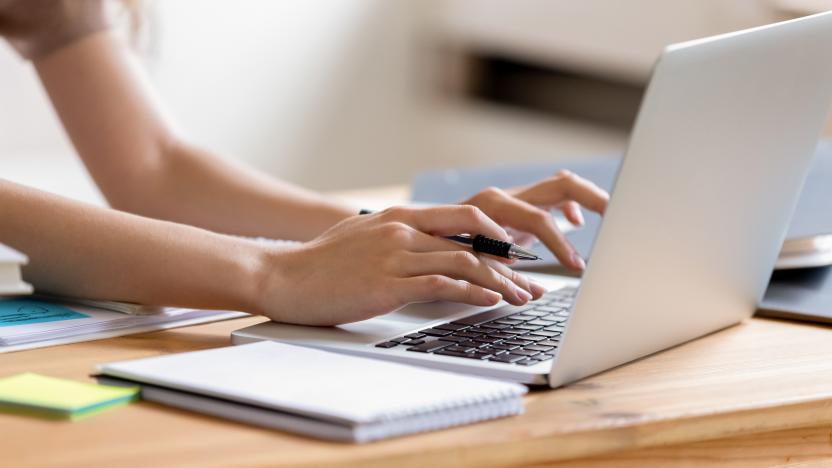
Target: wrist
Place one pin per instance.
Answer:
(268, 275)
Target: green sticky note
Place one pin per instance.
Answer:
(53, 398)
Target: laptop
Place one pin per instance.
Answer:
(700, 206)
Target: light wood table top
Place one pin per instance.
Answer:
(762, 375)
(708, 398)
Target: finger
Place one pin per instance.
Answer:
(469, 267)
(565, 186)
(441, 288)
(535, 289)
(572, 211)
(521, 215)
(448, 220)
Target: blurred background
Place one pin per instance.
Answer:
(357, 93)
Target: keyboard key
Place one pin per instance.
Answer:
(414, 336)
(453, 353)
(556, 328)
(504, 347)
(533, 337)
(525, 352)
(500, 335)
(549, 309)
(436, 332)
(542, 323)
(413, 342)
(508, 322)
(451, 326)
(536, 347)
(466, 334)
(527, 326)
(480, 355)
(459, 349)
(544, 357)
(527, 362)
(545, 333)
(487, 339)
(430, 346)
(387, 344)
(455, 339)
(523, 317)
(486, 316)
(482, 330)
(507, 358)
(548, 342)
(515, 331)
(517, 342)
(469, 344)
(497, 326)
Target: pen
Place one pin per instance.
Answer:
(483, 244)
(487, 245)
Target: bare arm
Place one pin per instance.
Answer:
(81, 250)
(142, 166)
(87, 251)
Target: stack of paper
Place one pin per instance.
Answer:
(52, 398)
(28, 323)
(11, 283)
(316, 393)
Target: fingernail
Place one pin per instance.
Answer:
(537, 287)
(524, 294)
(579, 217)
(578, 261)
(493, 297)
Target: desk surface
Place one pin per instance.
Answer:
(762, 375)
(759, 376)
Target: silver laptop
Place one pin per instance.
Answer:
(700, 207)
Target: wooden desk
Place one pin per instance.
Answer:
(757, 394)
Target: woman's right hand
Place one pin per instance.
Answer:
(373, 264)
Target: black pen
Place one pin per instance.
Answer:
(487, 245)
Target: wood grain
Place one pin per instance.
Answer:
(760, 376)
(793, 448)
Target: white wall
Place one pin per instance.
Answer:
(314, 92)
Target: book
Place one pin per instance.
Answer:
(316, 393)
(52, 398)
(31, 322)
(11, 281)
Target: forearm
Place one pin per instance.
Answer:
(195, 187)
(120, 130)
(85, 251)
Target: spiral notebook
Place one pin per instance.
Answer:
(316, 393)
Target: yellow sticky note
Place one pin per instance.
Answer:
(59, 398)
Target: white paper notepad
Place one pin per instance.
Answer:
(317, 393)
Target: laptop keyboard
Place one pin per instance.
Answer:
(520, 335)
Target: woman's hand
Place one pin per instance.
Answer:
(373, 264)
(526, 209)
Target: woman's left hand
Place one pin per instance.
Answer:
(526, 209)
